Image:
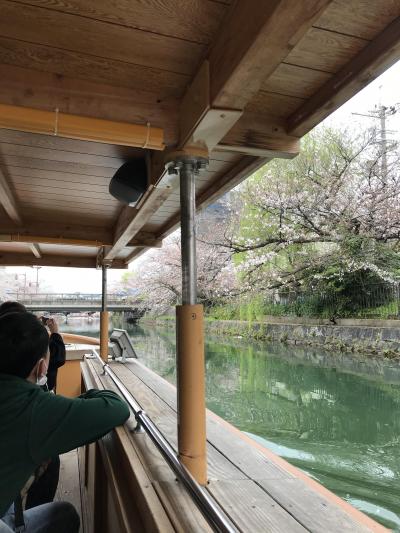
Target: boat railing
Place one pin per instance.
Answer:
(209, 508)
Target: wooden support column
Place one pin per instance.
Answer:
(191, 390)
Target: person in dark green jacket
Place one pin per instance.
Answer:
(36, 426)
(43, 489)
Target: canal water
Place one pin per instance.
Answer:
(334, 415)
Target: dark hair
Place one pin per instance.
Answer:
(23, 341)
(11, 307)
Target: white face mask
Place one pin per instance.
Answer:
(42, 380)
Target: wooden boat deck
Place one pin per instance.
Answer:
(258, 490)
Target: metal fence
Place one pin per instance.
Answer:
(380, 301)
(365, 301)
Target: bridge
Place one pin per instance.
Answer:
(78, 303)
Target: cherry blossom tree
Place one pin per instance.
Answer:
(12, 284)
(159, 276)
(330, 215)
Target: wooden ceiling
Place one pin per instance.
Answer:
(255, 76)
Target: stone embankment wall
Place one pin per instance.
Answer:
(367, 336)
(347, 335)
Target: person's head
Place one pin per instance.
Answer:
(11, 307)
(24, 346)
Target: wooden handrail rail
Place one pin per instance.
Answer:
(72, 338)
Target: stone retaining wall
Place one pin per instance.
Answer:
(347, 335)
(360, 338)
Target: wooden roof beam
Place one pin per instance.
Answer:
(22, 259)
(132, 219)
(256, 135)
(253, 40)
(265, 32)
(46, 91)
(80, 127)
(8, 201)
(35, 250)
(56, 233)
(373, 60)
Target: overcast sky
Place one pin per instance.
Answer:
(384, 90)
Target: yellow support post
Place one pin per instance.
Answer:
(192, 437)
(104, 335)
(191, 390)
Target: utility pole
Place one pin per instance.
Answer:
(381, 112)
(37, 277)
(382, 116)
(17, 276)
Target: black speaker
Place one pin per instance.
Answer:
(129, 182)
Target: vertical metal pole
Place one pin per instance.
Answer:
(190, 340)
(104, 316)
(188, 234)
(104, 288)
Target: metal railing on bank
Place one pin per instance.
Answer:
(209, 508)
(376, 301)
(359, 301)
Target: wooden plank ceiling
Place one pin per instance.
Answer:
(255, 75)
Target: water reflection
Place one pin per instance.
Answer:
(333, 415)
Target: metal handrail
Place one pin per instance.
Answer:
(208, 507)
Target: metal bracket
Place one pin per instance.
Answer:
(181, 159)
(138, 428)
(100, 261)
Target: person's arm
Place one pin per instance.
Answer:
(57, 351)
(56, 346)
(62, 424)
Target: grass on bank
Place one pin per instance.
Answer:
(258, 309)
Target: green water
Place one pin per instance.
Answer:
(335, 416)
